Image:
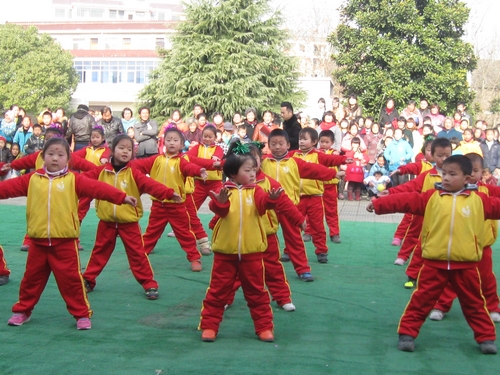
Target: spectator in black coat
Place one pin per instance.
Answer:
(291, 125)
(491, 152)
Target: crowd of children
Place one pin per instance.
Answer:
(260, 176)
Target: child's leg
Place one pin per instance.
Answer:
(34, 280)
(411, 237)
(294, 246)
(416, 262)
(403, 226)
(65, 264)
(467, 284)
(4, 270)
(158, 219)
(350, 191)
(202, 190)
(330, 199)
(446, 298)
(275, 274)
(431, 282)
(224, 271)
(105, 243)
(357, 190)
(488, 281)
(236, 286)
(180, 222)
(140, 266)
(26, 242)
(251, 272)
(196, 225)
(312, 206)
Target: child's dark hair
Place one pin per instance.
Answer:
(378, 172)
(56, 141)
(476, 158)
(464, 163)
(237, 155)
(327, 133)
(242, 127)
(329, 113)
(440, 142)
(37, 126)
(428, 141)
(402, 118)
(430, 127)
(278, 133)
(210, 128)
(315, 121)
(47, 113)
(455, 141)
(98, 129)
(180, 134)
(256, 149)
(118, 139)
(313, 134)
(355, 141)
(56, 131)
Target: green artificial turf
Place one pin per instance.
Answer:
(345, 321)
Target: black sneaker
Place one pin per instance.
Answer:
(488, 347)
(406, 343)
(335, 239)
(306, 237)
(4, 279)
(152, 293)
(285, 257)
(322, 258)
(88, 288)
(306, 276)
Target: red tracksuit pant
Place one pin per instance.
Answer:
(488, 286)
(294, 245)
(403, 226)
(311, 206)
(105, 242)
(416, 261)
(250, 270)
(430, 285)
(177, 215)
(411, 237)
(4, 271)
(202, 190)
(196, 225)
(276, 280)
(63, 260)
(330, 199)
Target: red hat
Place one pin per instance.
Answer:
(2, 138)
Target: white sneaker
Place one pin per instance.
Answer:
(436, 315)
(495, 317)
(171, 234)
(288, 307)
(399, 262)
(204, 246)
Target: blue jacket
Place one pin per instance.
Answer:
(377, 168)
(448, 134)
(7, 129)
(21, 137)
(398, 153)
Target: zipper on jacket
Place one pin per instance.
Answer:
(451, 228)
(48, 212)
(114, 205)
(241, 224)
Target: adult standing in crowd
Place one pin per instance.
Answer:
(338, 110)
(412, 111)
(145, 132)
(128, 119)
(250, 121)
(79, 127)
(112, 125)
(388, 114)
(291, 125)
(424, 108)
(353, 110)
(491, 152)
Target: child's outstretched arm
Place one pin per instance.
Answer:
(154, 188)
(15, 187)
(220, 202)
(85, 187)
(192, 170)
(314, 171)
(144, 165)
(413, 203)
(333, 160)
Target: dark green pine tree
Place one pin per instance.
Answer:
(404, 49)
(228, 55)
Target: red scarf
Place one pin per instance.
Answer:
(327, 125)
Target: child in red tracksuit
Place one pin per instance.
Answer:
(355, 172)
(406, 227)
(238, 243)
(123, 221)
(452, 244)
(4, 270)
(97, 153)
(171, 170)
(485, 266)
(35, 161)
(288, 171)
(207, 149)
(330, 195)
(311, 191)
(441, 149)
(276, 280)
(54, 231)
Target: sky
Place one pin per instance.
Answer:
(483, 29)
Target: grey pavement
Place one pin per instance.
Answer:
(348, 210)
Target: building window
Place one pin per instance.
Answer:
(83, 12)
(112, 13)
(140, 14)
(127, 42)
(130, 16)
(94, 42)
(60, 13)
(96, 13)
(128, 72)
(78, 43)
(121, 14)
(160, 42)
(161, 16)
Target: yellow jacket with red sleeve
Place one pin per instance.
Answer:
(239, 228)
(453, 230)
(212, 152)
(288, 171)
(52, 204)
(284, 205)
(333, 181)
(490, 226)
(208, 164)
(169, 170)
(132, 182)
(35, 161)
(94, 154)
(423, 182)
(313, 156)
(415, 168)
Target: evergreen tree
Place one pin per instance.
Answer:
(404, 49)
(227, 56)
(35, 72)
